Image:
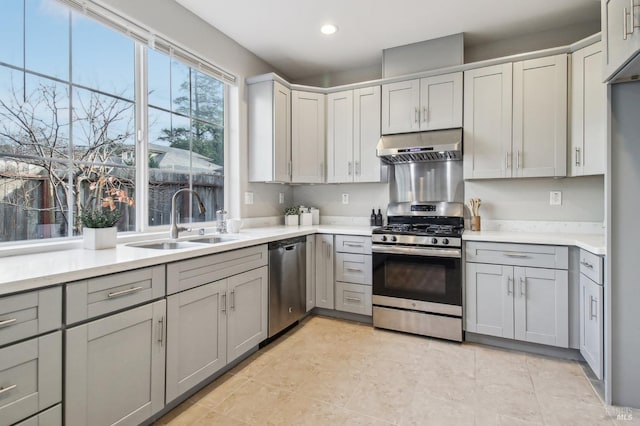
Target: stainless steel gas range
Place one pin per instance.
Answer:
(417, 270)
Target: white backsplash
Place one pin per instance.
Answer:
(542, 226)
(345, 220)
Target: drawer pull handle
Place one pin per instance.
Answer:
(352, 299)
(586, 264)
(353, 245)
(7, 322)
(125, 292)
(7, 389)
(354, 270)
(518, 255)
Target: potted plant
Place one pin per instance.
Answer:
(99, 229)
(291, 216)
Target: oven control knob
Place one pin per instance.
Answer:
(434, 241)
(445, 241)
(393, 238)
(383, 238)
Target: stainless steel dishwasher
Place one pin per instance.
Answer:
(287, 283)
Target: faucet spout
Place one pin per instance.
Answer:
(175, 229)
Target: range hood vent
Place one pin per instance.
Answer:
(436, 145)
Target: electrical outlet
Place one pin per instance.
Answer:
(248, 197)
(281, 198)
(555, 198)
(345, 198)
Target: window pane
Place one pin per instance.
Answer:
(159, 79)
(36, 125)
(11, 31)
(180, 88)
(207, 99)
(47, 38)
(33, 199)
(102, 58)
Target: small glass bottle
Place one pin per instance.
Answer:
(373, 221)
(379, 218)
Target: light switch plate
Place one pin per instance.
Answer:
(281, 197)
(555, 198)
(345, 198)
(248, 197)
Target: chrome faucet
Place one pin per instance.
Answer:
(175, 229)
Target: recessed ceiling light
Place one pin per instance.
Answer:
(328, 29)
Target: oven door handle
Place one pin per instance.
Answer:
(417, 251)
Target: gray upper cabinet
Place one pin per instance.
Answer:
(515, 119)
(620, 37)
(269, 132)
(196, 336)
(428, 103)
(115, 368)
(307, 137)
(588, 113)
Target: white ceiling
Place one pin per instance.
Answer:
(286, 33)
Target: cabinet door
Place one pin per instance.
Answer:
(588, 113)
(307, 137)
(366, 134)
(591, 324)
(324, 271)
(30, 377)
(487, 122)
(541, 305)
(540, 117)
(114, 368)
(441, 101)
(311, 272)
(401, 107)
(196, 336)
(247, 311)
(340, 164)
(621, 41)
(489, 299)
(281, 133)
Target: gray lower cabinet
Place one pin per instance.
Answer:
(212, 325)
(592, 311)
(196, 336)
(30, 377)
(311, 272)
(324, 271)
(115, 368)
(518, 302)
(50, 417)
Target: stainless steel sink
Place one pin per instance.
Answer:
(167, 245)
(212, 240)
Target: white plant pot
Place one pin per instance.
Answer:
(291, 220)
(99, 238)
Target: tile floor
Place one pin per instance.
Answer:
(333, 372)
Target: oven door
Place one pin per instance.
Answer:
(418, 273)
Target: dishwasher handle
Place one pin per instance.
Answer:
(289, 248)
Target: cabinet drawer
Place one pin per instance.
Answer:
(30, 377)
(353, 268)
(533, 255)
(29, 314)
(353, 244)
(591, 266)
(203, 270)
(354, 298)
(50, 417)
(98, 296)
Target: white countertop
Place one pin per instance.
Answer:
(595, 243)
(36, 270)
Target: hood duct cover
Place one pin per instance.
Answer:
(436, 145)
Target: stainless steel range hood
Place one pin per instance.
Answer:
(436, 145)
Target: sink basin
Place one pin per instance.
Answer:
(167, 245)
(212, 240)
